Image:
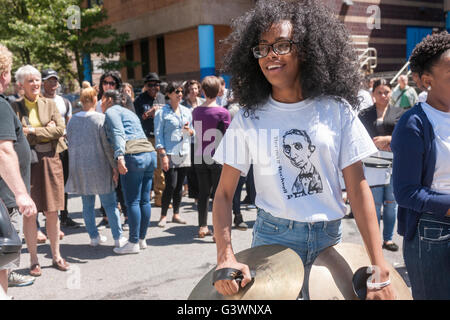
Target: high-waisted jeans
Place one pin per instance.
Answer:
(308, 240)
(136, 186)
(427, 258)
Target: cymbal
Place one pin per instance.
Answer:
(332, 272)
(278, 276)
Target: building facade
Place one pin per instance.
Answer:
(182, 39)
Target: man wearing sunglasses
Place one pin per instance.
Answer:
(146, 105)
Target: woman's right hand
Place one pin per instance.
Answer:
(165, 163)
(230, 287)
(122, 166)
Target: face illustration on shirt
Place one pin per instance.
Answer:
(297, 148)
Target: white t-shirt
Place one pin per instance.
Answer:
(297, 151)
(440, 122)
(423, 96)
(63, 110)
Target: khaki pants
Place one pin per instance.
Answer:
(158, 179)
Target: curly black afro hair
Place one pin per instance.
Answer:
(329, 62)
(427, 53)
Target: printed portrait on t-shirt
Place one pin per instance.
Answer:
(298, 148)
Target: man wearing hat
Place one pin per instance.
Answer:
(146, 105)
(50, 84)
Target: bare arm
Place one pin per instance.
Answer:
(222, 216)
(363, 207)
(10, 172)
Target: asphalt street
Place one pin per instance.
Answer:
(175, 260)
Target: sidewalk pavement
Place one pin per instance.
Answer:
(175, 260)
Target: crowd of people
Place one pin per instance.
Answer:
(114, 146)
(197, 139)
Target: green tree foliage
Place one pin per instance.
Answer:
(43, 33)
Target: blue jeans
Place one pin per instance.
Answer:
(427, 258)
(136, 186)
(109, 203)
(308, 240)
(384, 196)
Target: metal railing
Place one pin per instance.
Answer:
(400, 72)
(368, 57)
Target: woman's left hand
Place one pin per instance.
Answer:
(383, 143)
(121, 166)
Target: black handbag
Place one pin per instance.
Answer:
(10, 242)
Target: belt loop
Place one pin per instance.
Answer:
(291, 224)
(325, 223)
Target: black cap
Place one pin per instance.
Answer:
(49, 73)
(151, 77)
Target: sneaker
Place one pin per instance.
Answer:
(97, 241)
(128, 248)
(125, 226)
(162, 223)
(103, 224)
(120, 242)
(142, 244)
(18, 280)
(69, 223)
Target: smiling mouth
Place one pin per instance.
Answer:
(274, 67)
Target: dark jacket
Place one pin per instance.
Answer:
(413, 144)
(140, 103)
(368, 118)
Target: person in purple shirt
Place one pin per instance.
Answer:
(211, 121)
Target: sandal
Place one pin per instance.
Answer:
(41, 237)
(202, 234)
(35, 270)
(61, 265)
(178, 220)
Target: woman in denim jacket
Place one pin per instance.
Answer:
(136, 161)
(173, 132)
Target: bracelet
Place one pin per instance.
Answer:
(162, 155)
(377, 285)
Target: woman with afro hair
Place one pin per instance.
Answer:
(421, 172)
(293, 69)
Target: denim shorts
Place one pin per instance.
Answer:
(308, 240)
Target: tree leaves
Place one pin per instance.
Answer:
(37, 33)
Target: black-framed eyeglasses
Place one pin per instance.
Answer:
(280, 47)
(152, 85)
(111, 83)
(178, 91)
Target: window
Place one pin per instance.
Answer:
(161, 55)
(92, 3)
(145, 57)
(129, 57)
